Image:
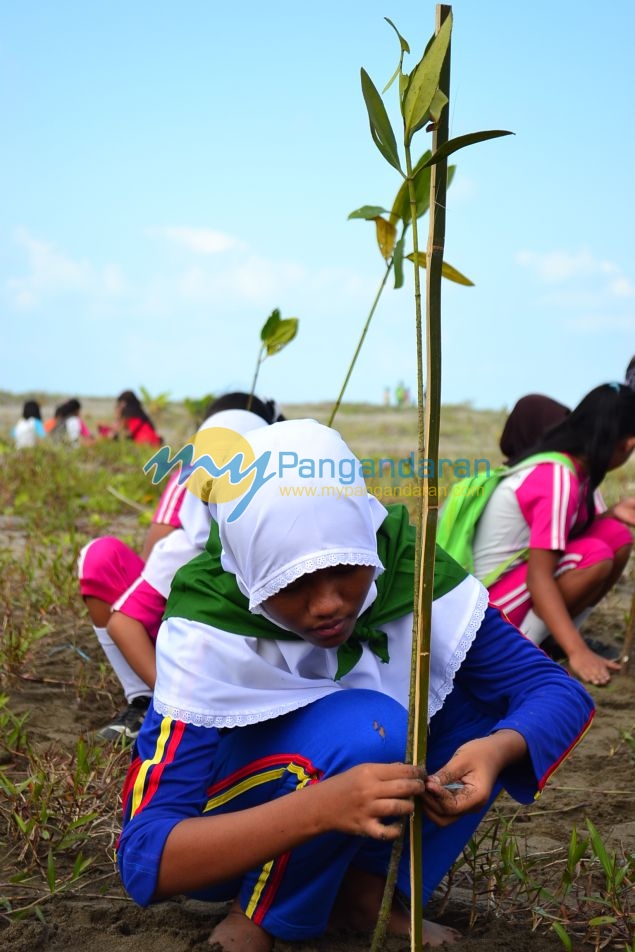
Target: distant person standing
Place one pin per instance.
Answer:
(29, 429)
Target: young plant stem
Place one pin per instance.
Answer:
(361, 341)
(429, 416)
(383, 918)
(253, 384)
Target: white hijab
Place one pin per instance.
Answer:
(194, 513)
(213, 678)
(303, 519)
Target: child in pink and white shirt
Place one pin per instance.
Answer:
(125, 593)
(569, 554)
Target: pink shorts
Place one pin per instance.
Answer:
(106, 568)
(599, 543)
(109, 569)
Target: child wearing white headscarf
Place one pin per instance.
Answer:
(125, 593)
(270, 769)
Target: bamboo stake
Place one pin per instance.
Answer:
(429, 428)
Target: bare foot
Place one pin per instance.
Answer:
(357, 907)
(237, 933)
(434, 934)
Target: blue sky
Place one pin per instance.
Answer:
(171, 172)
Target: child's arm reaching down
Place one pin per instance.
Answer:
(202, 851)
(132, 639)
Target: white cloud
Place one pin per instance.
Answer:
(622, 287)
(256, 280)
(218, 285)
(559, 267)
(603, 322)
(202, 241)
(260, 279)
(51, 272)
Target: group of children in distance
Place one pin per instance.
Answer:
(269, 768)
(67, 426)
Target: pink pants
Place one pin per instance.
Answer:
(599, 543)
(109, 569)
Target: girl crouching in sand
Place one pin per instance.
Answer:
(269, 770)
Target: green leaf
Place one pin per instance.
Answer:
(82, 821)
(50, 871)
(421, 174)
(603, 921)
(368, 212)
(460, 142)
(438, 104)
(398, 72)
(404, 79)
(397, 262)
(424, 81)
(7, 786)
(621, 873)
(270, 325)
(449, 272)
(283, 333)
(403, 43)
(562, 934)
(392, 79)
(599, 849)
(401, 204)
(80, 865)
(23, 824)
(380, 128)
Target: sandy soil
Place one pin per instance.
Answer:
(65, 691)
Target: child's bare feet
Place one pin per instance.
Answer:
(434, 934)
(237, 933)
(357, 907)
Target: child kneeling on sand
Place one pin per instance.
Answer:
(269, 770)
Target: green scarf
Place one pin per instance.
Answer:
(203, 591)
